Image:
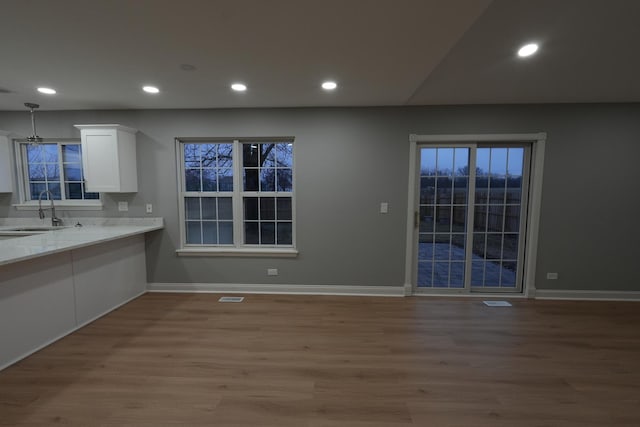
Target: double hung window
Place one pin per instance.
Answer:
(54, 168)
(236, 193)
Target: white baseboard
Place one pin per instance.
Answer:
(387, 291)
(587, 295)
(408, 289)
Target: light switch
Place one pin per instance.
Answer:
(149, 208)
(123, 206)
(384, 207)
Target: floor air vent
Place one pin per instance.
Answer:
(231, 299)
(497, 303)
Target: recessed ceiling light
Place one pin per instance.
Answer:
(329, 85)
(239, 87)
(151, 89)
(527, 50)
(47, 90)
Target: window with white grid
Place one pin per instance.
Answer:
(53, 169)
(267, 170)
(237, 193)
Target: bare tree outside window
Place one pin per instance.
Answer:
(265, 189)
(268, 171)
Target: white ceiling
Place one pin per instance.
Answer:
(99, 53)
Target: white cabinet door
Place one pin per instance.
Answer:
(6, 172)
(100, 162)
(109, 158)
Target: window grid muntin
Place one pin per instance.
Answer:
(276, 192)
(453, 176)
(84, 195)
(276, 221)
(511, 215)
(487, 231)
(59, 163)
(218, 221)
(277, 168)
(238, 195)
(221, 169)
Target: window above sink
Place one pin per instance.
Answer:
(55, 167)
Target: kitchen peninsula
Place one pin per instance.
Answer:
(54, 280)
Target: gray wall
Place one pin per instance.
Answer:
(350, 160)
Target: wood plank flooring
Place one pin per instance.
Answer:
(313, 361)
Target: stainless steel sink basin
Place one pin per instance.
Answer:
(35, 228)
(6, 236)
(13, 232)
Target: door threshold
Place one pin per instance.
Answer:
(470, 295)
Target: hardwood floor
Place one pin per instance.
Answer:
(185, 359)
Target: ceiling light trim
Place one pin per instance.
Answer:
(46, 90)
(528, 50)
(239, 87)
(329, 85)
(151, 89)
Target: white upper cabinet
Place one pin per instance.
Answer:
(109, 158)
(6, 173)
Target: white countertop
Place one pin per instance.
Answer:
(92, 232)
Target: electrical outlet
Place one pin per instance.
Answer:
(384, 207)
(123, 206)
(272, 271)
(552, 276)
(149, 208)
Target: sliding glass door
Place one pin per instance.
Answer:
(470, 217)
(444, 207)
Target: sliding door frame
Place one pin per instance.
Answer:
(534, 190)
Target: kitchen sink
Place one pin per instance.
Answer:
(10, 233)
(14, 236)
(36, 228)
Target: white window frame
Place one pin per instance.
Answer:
(530, 232)
(238, 248)
(23, 179)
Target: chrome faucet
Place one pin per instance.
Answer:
(55, 221)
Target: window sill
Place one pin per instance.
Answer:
(61, 205)
(238, 252)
